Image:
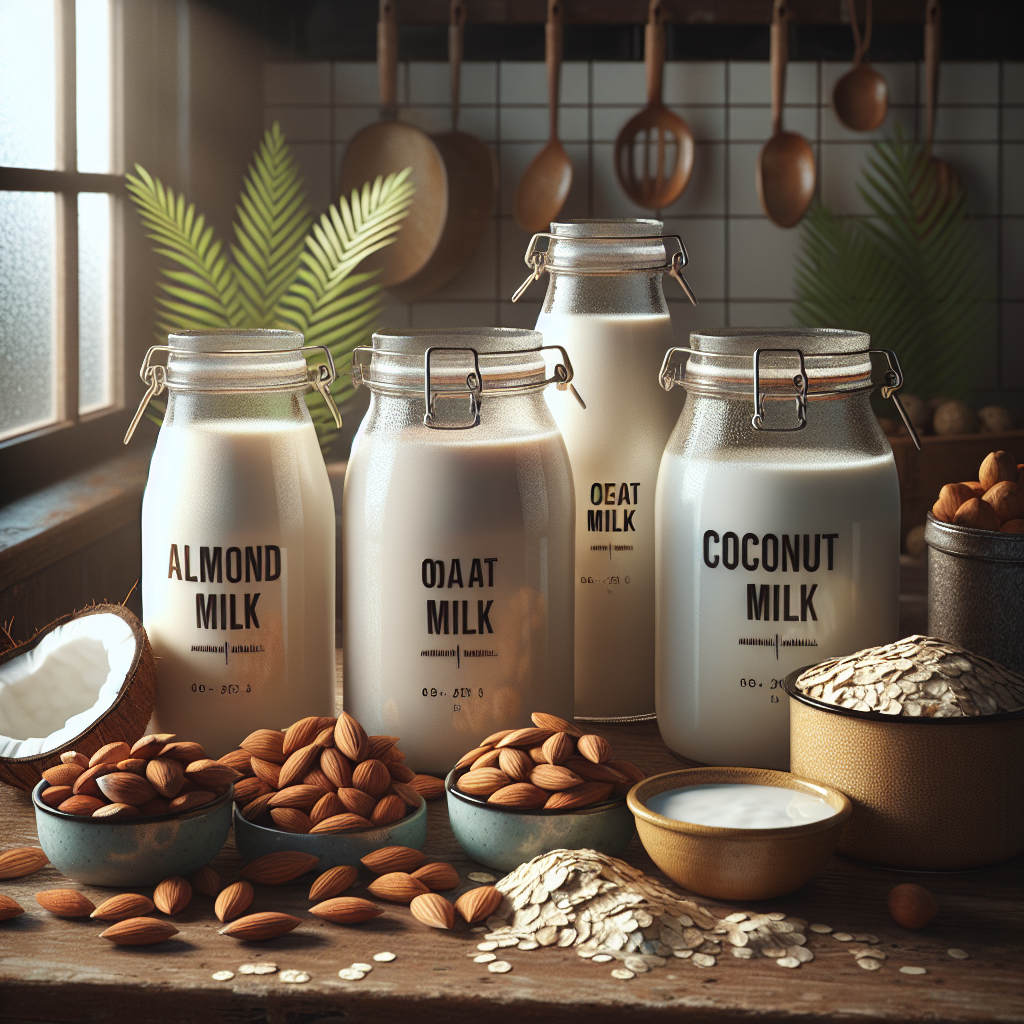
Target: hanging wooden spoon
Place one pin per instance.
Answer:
(545, 184)
(932, 47)
(861, 96)
(654, 151)
(785, 165)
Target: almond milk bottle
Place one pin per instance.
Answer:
(457, 533)
(777, 532)
(606, 306)
(237, 538)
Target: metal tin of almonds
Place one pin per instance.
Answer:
(929, 794)
(976, 590)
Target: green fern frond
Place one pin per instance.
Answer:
(273, 220)
(203, 294)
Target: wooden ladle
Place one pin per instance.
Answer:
(932, 46)
(545, 184)
(861, 96)
(785, 165)
(654, 150)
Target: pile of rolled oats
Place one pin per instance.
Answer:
(918, 676)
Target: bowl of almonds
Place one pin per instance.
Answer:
(523, 792)
(133, 815)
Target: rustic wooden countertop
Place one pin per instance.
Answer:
(60, 970)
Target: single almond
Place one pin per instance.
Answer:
(54, 796)
(350, 738)
(554, 777)
(519, 794)
(73, 757)
(260, 927)
(266, 744)
(528, 737)
(240, 760)
(22, 861)
(65, 902)
(246, 790)
(333, 882)
(488, 760)
(1006, 499)
(234, 900)
(543, 720)
(557, 748)
(258, 808)
(9, 908)
(406, 794)
(341, 823)
(478, 904)
(472, 755)
(315, 777)
(297, 765)
(579, 796)
(190, 801)
(356, 801)
(537, 754)
(1012, 526)
(81, 805)
(278, 868)
(396, 887)
(110, 753)
(328, 806)
(116, 810)
(591, 772)
(336, 766)
(303, 732)
(303, 797)
(267, 771)
(977, 490)
(393, 858)
(427, 786)
(951, 497)
(291, 819)
(378, 746)
(437, 876)
(495, 738)
(125, 904)
(388, 810)
(125, 788)
(183, 751)
(206, 773)
(996, 467)
(632, 773)
(206, 881)
(85, 784)
(371, 777)
(433, 910)
(594, 748)
(139, 931)
(977, 514)
(158, 805)
(150, 745)
(63, 774)
(392, 755)
(172, 895)
(135, 765)
(346, 910)
(483, 781)
(516, 764)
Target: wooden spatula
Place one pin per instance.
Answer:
(654, 151)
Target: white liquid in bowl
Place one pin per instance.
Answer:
(738, 805)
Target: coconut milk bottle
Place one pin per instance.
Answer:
(605, 305)
(237, 541)
(777, 534)
(457, 526)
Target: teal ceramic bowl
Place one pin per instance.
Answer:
(133, 851)
(503, 838)
(333, 848)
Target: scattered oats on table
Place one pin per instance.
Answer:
(295, 977)
(365, 968)
(869, 963)
(481, 876)
(499, 967)
(347, 974)
(263, 968)
(484, 958)
(222, 975)
(384, 958)
(622, 974)
(912, 970)
(788, 961)
(958, 954)
(486, 947)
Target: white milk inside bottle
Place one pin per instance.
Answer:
(605, 305)
(238, 544)
(457, 550)
(776, 550)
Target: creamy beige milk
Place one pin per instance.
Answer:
(458, 587)
(740, 805)
(238, 579)
(615, 448)
(764, 568)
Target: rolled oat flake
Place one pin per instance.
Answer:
(788, 961)
(622, 974)
(347, 974)
(868, 963)
(912, 970)
(484, 958)
(365, 968)
(222, 975)
(480, 876)
(264, 968)
(958, 954)
(384, 958)
(499, 967)
(294, 977)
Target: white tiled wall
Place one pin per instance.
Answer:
(741, 264)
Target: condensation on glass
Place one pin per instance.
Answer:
(95, 302)
(27, 84)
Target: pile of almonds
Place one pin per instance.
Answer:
(995, 501)
(159, 774)
(325, 775)
(554, 766)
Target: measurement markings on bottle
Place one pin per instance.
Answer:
(606, 581)
(773, 684)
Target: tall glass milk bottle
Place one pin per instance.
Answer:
(605, 304)
(778, 530)
(457, 528)
(237, 538)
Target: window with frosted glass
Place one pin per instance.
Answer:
(27, 84)
(28, 349)
(94, 301)
(92, 85)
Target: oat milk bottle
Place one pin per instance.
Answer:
(237, 538)
(778, 528)
(457, 537)
(606, 306)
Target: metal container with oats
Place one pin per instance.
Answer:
(926, 739)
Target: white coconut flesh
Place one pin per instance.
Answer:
(67, 682)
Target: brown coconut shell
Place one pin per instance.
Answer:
(126, 719)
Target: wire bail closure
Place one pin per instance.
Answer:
(670, 375)
(154, 375)
(536, 259)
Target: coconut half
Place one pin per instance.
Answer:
(85, 680)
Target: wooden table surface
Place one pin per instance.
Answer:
(54, 969)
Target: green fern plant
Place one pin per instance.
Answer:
(909, 274)
(284, 270)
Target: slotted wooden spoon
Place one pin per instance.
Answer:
(654, 150)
